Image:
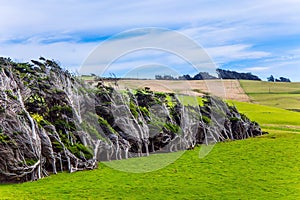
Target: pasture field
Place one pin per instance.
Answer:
(266, 167)
(276, 94)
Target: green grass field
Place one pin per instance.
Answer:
(266, 167)
(281, 95)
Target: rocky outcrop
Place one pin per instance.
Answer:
(38, 122)
(50, 121)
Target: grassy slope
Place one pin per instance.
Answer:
(265, 167)
(281, 95)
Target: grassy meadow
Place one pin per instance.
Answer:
(266, 167)
(276, 94)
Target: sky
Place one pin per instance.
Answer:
(261, 37)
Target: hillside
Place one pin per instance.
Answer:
(227, 89)
(265, 167)
(276, 94)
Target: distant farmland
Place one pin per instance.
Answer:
(227, 89)
(275, 94)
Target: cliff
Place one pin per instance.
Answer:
(51, 121)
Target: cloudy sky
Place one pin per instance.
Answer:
(262, 37)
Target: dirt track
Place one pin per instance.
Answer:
(227, 89)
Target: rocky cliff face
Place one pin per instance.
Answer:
(50, 121)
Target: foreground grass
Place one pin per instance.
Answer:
(266, 167)
(281, 95)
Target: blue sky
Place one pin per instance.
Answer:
(262, 37)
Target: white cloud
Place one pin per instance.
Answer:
(53, 16)
(257, 69)
(166, 41)
(235, 52)
(69, 54)
(229, 30)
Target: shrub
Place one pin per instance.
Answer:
(91, 130)
(144, 111)
(38, 118)
(67, 110)
(234, 119)
(57, 145)
(64, 125)
(169, 101)
(2, 110)
(243, 116)
(160, 95)
(105, 126)
(133, 109)
(17, 132)
(4, 138)
(10, 94)
(30, 161)
(173, 128)
(206, 119)
(80, 150)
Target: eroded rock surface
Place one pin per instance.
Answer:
(51, 121)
